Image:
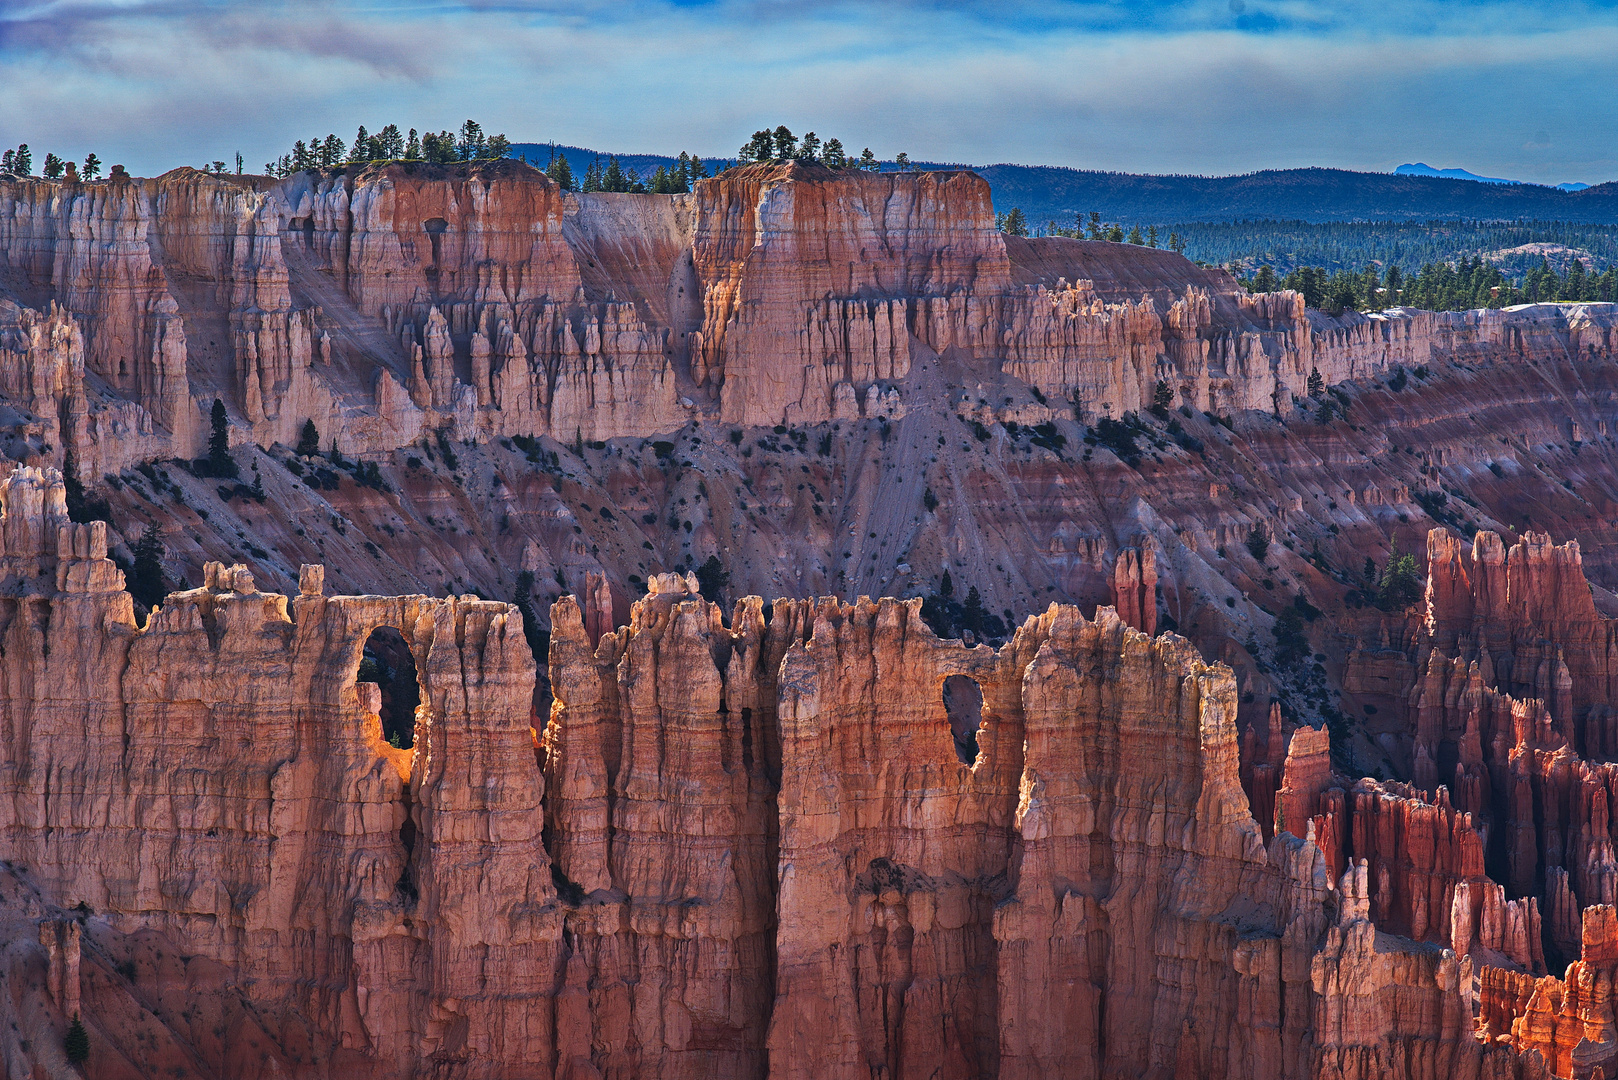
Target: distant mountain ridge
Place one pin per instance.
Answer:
(1423, 169)
(1055, 193)
(1050, 193)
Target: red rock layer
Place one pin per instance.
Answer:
(662, 760)
(1530, 609)
(213, 776)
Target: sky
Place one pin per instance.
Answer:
(1521, 90)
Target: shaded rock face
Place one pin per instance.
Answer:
(737, 849)
(213, 777)
(752, 847)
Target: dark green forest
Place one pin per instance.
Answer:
(1516, 247)
(1368, 266)
(1438, 286)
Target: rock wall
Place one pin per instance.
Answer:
(733, 849)
(390, 301)
(214, 776)
(752, 847)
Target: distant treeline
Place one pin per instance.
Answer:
(1438, 286)
(1285, 245)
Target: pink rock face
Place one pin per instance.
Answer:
(405, 298)
(747, 848)
(1134, 588)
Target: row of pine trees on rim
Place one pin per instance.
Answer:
(781, 145)
(1015, 223)
(389, 144)
(20, 162)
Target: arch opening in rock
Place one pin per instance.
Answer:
(963, 703)
(386, 663)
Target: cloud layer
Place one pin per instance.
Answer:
(1205, 86)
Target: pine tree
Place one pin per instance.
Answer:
(308, 440)
(23, 163)
(809, 149)
(220, 463)
(1092, 231)
(390, 142)
(786, 144)
(833, 157)
(1015, 223)
(471, 146)
(1151, 236)
(53, 167)
(560, 171)
(76, 1045)
(332, 150)
(696, 171)
(1317, 385)
(1162, 398)
(760, 148)
(1401, 582)
(902, 160)
(712, 577)
(1258, 541)
(92, 166)
(614, 179)
(146, 583)
(868, 160)
(412, 150)
(1370, 289)
(361, 148)
(973, 616)
(497, 147)
(1573, 285)
(6, 161)
(946, 587)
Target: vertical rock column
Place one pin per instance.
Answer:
(893, 851)
(662, 818)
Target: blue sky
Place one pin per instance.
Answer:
(1521, 90)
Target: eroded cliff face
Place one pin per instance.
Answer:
(746, 847)
(809, 837)
(393, 301)
(214, 777)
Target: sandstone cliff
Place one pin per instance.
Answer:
(735, 848)
(389, 301)
(806, 837)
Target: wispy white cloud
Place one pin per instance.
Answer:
(1196, 86)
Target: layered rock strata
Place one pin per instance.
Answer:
(214, 777)
(737, 848)
(391, 301)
